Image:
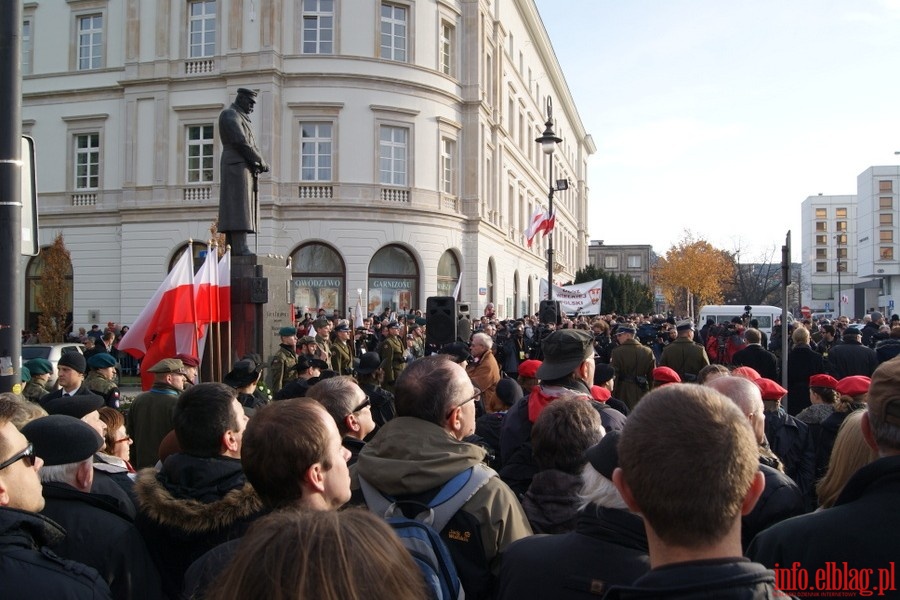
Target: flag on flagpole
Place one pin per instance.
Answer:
(358, 317)
(459, 284)
(152, 337)
(206, 291)
(224, 280)
(541, 220)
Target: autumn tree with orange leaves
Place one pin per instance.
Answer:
(693, 273)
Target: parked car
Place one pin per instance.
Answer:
(51, 352)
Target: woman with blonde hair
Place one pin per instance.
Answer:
(851, 452)
(326, 555)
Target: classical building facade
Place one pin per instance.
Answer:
(634, 260)
(400, 136)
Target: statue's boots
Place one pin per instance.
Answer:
(238, 242)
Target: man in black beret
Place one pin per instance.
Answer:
(369, 374)
(71, 369)
(97, 534)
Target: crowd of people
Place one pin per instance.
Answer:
(603, 456)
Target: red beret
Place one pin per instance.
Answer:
(747, 373)
(529, 368)
(601, 394)
(665, 375)
(188, 360)
(770, 390)
(855, 385)
(824, 381)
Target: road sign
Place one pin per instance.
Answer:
(805, 311)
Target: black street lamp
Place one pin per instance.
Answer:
(548, 142)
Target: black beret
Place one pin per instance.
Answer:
(74, 406)
(74, 360)
(62, 440)
(604, 456)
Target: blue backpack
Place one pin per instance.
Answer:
(420, 534)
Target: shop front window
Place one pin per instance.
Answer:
(393, 282)
(318, 280)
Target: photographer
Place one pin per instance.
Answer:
(512, 348)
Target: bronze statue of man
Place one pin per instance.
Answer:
(241, 164)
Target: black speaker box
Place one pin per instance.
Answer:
(440, 320)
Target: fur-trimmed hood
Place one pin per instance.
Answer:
(215, 503)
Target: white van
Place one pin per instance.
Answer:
(724, 313)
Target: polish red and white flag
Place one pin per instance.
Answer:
(540, 221)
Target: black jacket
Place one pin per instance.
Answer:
(608, 547)
(192, 505)
(702, 579)
(756, 357)
(791, 441)
(859, 530)
(100, 536)
(28, 569)
(803, 362)
(887, 349)
(851, 358)
(780, 500)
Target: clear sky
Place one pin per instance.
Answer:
(721, 117)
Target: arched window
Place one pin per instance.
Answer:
(393, 281)
(490, 281)
(34, 290)
(319, 279)
(199, 250)
(447, 274)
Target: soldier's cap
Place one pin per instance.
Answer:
(769, 389)
(74, 406)
(342, 328)
(39, 366)
(188, 360)
(413, 327)
(243, 373)
(321, 322)
(421, 321)
(307, 339)
(393, 325)
(884, 394)
(854, 385)
(684, 325)
(246, 92)
(74, 360)
(564, 350)
(168, 365)
(603, 373)
(26, 373)
(529, 368)
(823, 381)
(625, 328)
(368, 363)
(604, 455)
(665, 375)
(101, 360)
(287, 331)
(62, 439)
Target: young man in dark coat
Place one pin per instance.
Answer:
(851, 357)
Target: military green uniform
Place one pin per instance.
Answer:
(685, 358)
(34, 391)
(281, 368)
(393, 360)
(634, 364)
(103, 387)
(342, 358)
(323, 349)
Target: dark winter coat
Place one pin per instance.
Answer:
(860, 529)
(724, 579)
(149, 421)
(190, 506)
(98, 535)
(791, 442)
(851, 358)
(887, 349)
(608, 547)
(551, 502)
(827, 436)
(29, 569)
(780, 500)
(756, 357)
(803, 362)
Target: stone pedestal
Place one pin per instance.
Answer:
(260, 306)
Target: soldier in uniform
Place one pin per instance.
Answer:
(393, 355)
(323, 341)
(634, 364)
(36, 387)
(342, 350)
(683, 355)
(281, 370)
(101, 378)
(306, 346)
(417, 349)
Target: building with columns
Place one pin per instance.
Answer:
(400, 136)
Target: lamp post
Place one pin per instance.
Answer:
(548, 142)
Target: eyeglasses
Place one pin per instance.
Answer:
(27, 455)
(474, 397)
(362, 405)
(127, 438)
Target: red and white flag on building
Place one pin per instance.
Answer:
(153, 337)
(541, 220)
(224, 282)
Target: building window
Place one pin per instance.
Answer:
(820, 267)
(886, 236)
(842, 252)
(447, 274)
(840, 225)
(885, 186)
(394, 32)
(886, 219)
(821, 213)
(821, 240)
(318, 27)
(27, 46)
(200, 154)
(392, 159)
(90, 42)
(840, 213)
(87, 161)
(393, 281)
(319, 279)
(610, 262)
(885, 203)
(448, 166)
(841, 239)
(446, 52)
(315, 151)
(202, 29)
(634, 261)
(821, 253)
(887, 253)
(821, 226)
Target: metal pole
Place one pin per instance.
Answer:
(785, 280)
(550, 237)
(11, 318)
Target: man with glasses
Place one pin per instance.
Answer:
(27, 568)
(350, 408)
(415, 454)
(150, 417)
